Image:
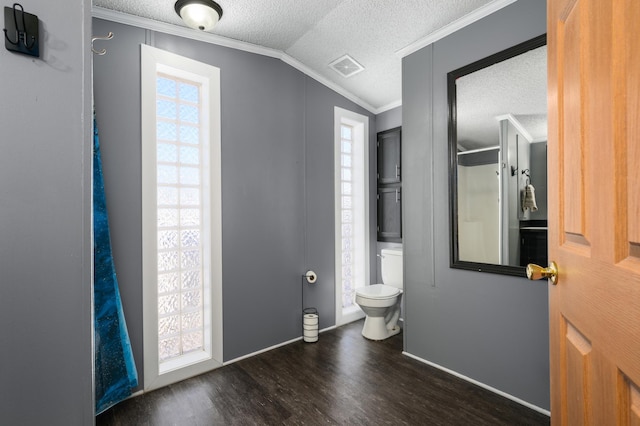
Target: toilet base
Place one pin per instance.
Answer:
(375, 328)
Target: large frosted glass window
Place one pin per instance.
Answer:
(352, 212)
(181, 217)
(182, 206)
(349, 268)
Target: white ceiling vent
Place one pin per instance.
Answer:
(346, 66)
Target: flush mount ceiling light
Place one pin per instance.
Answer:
(199, 14)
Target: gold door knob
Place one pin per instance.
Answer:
(535, 272)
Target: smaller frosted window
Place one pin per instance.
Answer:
(189, 196)
(166, 109)
(189, 176)
(166, 87)
(166, 131)
(189, 217)
(189, 155)
(189, 93)
(189, 134)
(350, 216)
(167, 174)
(189, 114)
(167, 153)
(347, 202)
(190, 259)
(167, 196)
(190, 238)
(167, 218)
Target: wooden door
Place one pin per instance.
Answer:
(594, 210)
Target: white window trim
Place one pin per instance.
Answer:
(361, 123)
(153, 60)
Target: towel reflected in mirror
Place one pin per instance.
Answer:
(529, 198)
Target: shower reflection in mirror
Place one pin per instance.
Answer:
(498, 167)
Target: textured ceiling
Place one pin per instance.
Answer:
(517, 86)
(317, 32)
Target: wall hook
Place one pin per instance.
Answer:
(22, 31)
(101, 51)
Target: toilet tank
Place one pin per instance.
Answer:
(391, 267)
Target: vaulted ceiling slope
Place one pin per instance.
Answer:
(314, 33)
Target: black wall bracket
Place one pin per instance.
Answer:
(22, 31)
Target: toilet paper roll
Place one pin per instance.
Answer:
(310, 319)
(311, 277)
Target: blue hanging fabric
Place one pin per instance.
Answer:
(115, 369)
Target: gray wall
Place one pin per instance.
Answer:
(277, 185)
(45, 223)
(491, 328)
(389, 119)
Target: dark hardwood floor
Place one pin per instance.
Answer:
(343, 379)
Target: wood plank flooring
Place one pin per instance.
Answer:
(343, 379)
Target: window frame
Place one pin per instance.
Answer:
(153, 62)
(360, 124)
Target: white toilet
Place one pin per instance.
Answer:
(381, 302)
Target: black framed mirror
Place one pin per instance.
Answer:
(497, 161)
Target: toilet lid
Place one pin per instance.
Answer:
(378, 291)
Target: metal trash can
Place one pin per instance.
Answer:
(310, 322)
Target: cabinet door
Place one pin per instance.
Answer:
(389, 156)
(390, 214)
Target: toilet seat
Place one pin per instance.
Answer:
(378, 291)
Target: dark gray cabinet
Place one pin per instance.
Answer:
(389, 167)
(390, 214)
(389, 186)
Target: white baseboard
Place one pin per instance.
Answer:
(271, 348)
(140, 392)
(482, 385)
(133, 395)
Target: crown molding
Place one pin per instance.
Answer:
(456, 25)
(163, 27)
(389, 106)
(516, 123)
(325, 81)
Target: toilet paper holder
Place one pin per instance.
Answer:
(311, 277)
(310, 323)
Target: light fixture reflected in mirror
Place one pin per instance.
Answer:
(199, 14)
